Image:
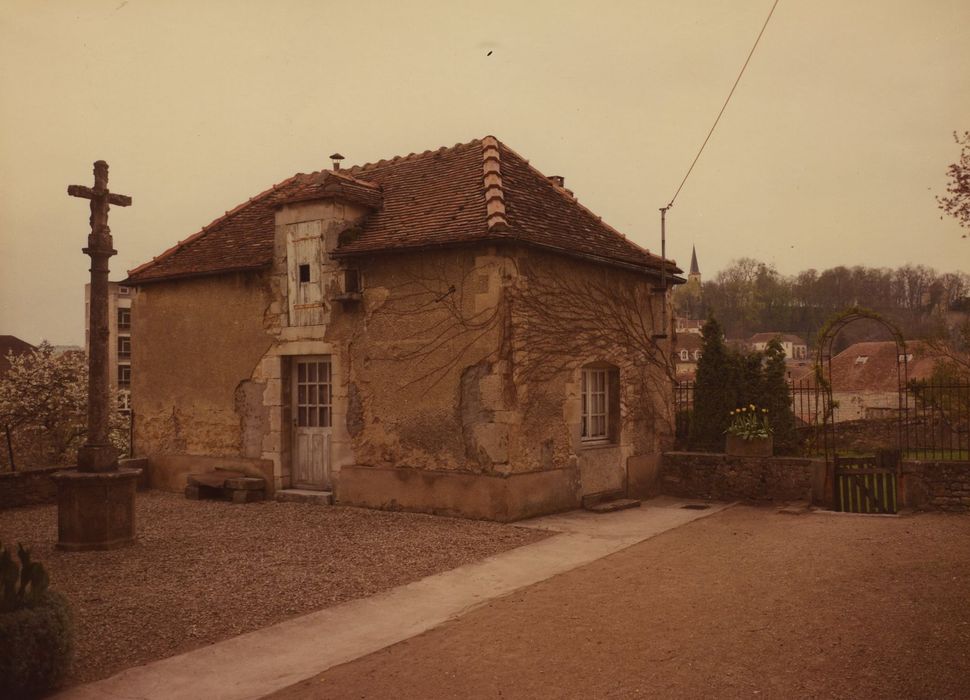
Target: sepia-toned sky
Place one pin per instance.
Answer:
(831, 151)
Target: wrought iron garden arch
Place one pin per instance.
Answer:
(823, 375)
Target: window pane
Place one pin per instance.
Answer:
(312, 400)
(301, 394)
(583, 432)
(311, 372)
(301, 420)
(325, 417)
(300, 372)
(324, 371)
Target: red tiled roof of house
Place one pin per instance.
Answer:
(467, 193)
(12, 344)
(783, 337)
(878, 370)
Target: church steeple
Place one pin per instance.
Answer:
(695, 271)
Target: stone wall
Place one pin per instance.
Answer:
(937, 485)
(923, 485)
(722, 477)
(33, 487)
(28, 488)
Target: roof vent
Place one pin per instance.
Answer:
(336, 158)
(558, 180)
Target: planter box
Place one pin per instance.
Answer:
(758, 447)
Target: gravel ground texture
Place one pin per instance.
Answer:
(746, 603)
(203, 571)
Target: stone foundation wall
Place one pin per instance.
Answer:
(459, 494)
(28, 488)
(722, 477)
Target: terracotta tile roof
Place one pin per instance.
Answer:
(783, 337)
(467, 193)
(871, 366)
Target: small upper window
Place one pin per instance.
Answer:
(124, 290)
(304, 273)
(351, 281)
(124, 319)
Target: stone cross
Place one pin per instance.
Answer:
(97, 454)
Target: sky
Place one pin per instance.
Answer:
(830, 152)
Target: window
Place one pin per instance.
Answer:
(600, 398)
(304, 273)
(351, 281)
(124, 347)
(125, 291)
(124, 401)
(685, 354)
(314, 394)
(124, 376)
(124, 319)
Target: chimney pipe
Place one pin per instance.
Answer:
(336, 158)
(558, 180)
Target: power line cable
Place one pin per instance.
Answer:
(724, 106)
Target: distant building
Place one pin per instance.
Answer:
(694, 276)
(12, 344)
(688, 325)
(795, 348)
(865, 377)
(687, 353)
(119, 339)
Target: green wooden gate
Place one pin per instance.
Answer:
(867, 484)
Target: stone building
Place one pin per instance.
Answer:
(448, 332)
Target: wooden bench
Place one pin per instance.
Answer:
(226, 484)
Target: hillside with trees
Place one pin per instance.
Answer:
(751, 296)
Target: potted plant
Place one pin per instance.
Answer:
(749, 433)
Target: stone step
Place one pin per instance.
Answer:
(321, 498)
(614, 505)
(591, 499)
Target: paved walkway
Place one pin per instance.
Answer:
(258, 663)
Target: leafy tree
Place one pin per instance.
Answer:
(43, 408)
(956, 202)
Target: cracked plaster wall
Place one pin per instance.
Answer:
(194, 340)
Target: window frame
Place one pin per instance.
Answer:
(598, 404)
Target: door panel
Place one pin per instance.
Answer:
(312, 397)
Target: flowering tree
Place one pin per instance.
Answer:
(43, 409)
(956, 202)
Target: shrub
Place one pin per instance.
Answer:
(36, 637)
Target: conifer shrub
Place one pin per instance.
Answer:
(36, 634)
(729, 379)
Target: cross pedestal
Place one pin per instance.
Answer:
(96, 501)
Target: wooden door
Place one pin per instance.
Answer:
(312, 397)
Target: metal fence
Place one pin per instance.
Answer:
(931, 421)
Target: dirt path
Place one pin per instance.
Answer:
(745, 603)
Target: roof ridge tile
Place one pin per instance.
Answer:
(495, 214)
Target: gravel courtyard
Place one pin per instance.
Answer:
(203, 571)
(746, 603)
